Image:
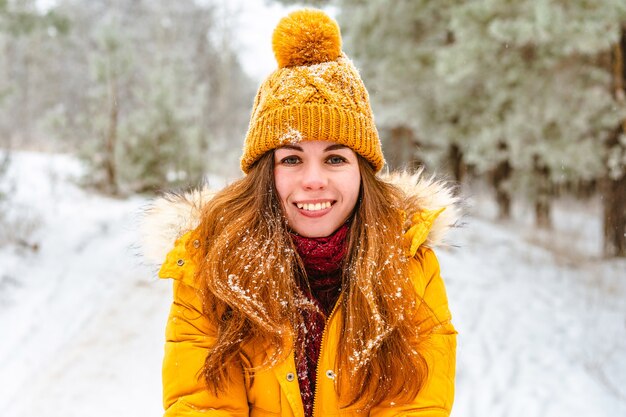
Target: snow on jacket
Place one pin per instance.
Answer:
(275, 391)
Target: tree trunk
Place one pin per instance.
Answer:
(25, 113)
(400, 150)
(543, 194)
(111, 139)
(614, 185)
(458, 165)
(614, 199)
(500, 182)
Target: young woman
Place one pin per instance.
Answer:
(308, 287)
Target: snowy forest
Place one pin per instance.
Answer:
(527, 97)
(522, 104)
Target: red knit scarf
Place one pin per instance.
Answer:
(323, 258)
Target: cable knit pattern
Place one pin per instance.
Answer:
(319, 95)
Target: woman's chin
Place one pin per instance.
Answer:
(314, 230)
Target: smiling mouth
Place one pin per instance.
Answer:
(314, 206)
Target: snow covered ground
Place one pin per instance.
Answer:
(541, 317)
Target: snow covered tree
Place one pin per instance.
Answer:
(395, 46)
(24, 30)
(162, 139)
(155, 90)
(112, 69)
(515, 89)
(543, 103)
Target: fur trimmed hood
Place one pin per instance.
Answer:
(430, 204)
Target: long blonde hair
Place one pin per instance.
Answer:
(248, 268)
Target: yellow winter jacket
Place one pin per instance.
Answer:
(275, 392)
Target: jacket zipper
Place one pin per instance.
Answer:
(319, 359)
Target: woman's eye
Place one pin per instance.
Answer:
(336, 160)
(290, 160)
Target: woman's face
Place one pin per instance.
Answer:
(318, 184)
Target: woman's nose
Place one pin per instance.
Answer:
(314, 177)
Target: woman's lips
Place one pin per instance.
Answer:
(317, 209)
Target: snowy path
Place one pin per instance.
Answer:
(535, 338)
(82, 321)
(68, 333)
(112, 367)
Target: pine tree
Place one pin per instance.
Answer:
(24, 68)
(517, 90)
(162, 140)
(535, 64)
(147, 93)
(112, 68)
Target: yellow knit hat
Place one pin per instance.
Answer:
(315, 94)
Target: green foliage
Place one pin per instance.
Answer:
(111, 65)
(153, 95)
(161, 146)
(27, 69)
(478, 74)
(536, 69)
(23, 19)
(153, 122)
(58, 22)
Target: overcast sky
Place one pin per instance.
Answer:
(257, 21)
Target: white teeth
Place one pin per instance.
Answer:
(314, 207)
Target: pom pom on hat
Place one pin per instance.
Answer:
(306, 37)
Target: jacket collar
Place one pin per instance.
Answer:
(430, 207)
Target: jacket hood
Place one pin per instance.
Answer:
(430, 206)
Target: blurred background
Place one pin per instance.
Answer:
(105, 103)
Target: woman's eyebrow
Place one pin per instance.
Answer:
(334, 147)
(292, 147)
